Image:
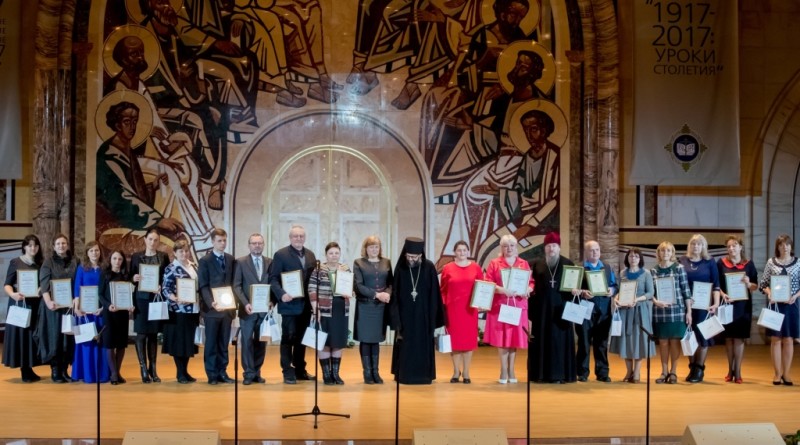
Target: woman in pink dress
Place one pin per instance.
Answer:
(457, 281)
(507, 337)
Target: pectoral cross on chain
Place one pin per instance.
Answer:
(553, 282)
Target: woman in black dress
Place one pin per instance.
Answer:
(19, 349)
(373, 282)
(115, 320)
(147, 330)
(332, 310)
(55, 347)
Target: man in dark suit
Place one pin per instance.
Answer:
(593, 333)
(251, 269)
(216, 270)
(295, 310)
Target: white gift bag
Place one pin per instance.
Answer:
(710, 327)
(19, 316)
(689, 342)
(510, 314)
(131, 329)
(275, 330)
(85, 332)
(616, 325)
(771, 318)
(264, 333)
(443, 343)
(725, 314)
(588, 306)
(200, 335)
(158, 310)
(67, 323)
(310, 337)
(573, 312)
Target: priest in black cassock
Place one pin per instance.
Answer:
(415, 311)
(551, 355)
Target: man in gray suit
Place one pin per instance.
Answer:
(216, 270)
(251, 269)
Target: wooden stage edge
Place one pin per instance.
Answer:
(45, 410)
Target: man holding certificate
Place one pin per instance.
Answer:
(215, 270)
(291, 270)
(703, 275)
(551, 358)
(785, 292)
(251, 286)
(599, 287)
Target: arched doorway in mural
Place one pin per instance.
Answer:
(336, 193)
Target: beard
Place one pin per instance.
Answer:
(552, 261)
(415, 263)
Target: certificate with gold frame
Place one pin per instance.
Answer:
(186, 290)
(665, 289)
(735, 287)
(89, 299)
(28, 282)
(121, 295)
(780, 288)
(61, 292)
(627, 292)
(259, 297)
(149, 277)
(482, 295)
(292, 283)
(224, 298)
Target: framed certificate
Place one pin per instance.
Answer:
(122, 294)
(780, 287)
(518, 280)
(61, 292)
(90, 299)
(736, 288)
(149, 277)
(596, 279)
(292, 283)
(186, 290)
(627, 292)
(504, 273)
(571, 278)
(701, 295)
(482, 295)
(665, 289)
(259, 297)
(224, 298)
(28, 283)
(343, 284)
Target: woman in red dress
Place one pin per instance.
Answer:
(461, 321)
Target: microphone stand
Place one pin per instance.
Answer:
(315, 411)
(647, 415)
(397, 398)
(98, 339)
(236, 382)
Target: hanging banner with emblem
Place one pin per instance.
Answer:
(686, 93)
(10, 127)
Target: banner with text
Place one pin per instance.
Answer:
(686, 93)
(10, 126)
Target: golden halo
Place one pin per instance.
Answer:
(508, 58)
(528, 24)
(135, 12)
(152, 50)
(559, 136)
(143, 127)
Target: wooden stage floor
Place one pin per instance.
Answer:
(587, 410)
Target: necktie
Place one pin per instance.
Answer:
(258, 267)
(221, 261)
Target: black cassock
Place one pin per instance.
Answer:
(413, 359)
(551, 356)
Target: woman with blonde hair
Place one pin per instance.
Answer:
(700, 268)
(671, 314)
(373, 286)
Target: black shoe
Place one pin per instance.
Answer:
(212, 381)
(605, 379)
(366, 365)
(454, 380)
(183, 380)
(190, 378)
(121, 380)
(55, 376)
(375, 367)
(247, 381)
(225, 379)
(303, 375)
(290, 380)
(336, 363)
(260, 379)
(325, 367)
(787, 382)
(467, 381)
(114, 382)
(699, 370)
(582, 378)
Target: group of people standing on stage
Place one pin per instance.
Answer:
(409, 298)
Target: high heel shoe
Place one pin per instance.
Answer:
(786, 382)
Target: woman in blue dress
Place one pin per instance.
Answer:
(89, 357)
(700, 268)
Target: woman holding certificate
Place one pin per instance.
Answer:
(635, 307)
(55, 283)
(781, 283)
(180, 288)
(508, 334)
(461, 319)
(703, 275)
(330, 289)
(373, 281)
(22, 286)
(89, 356)
(672, 309)
(116, 297)
(738, 277)
(147, 268)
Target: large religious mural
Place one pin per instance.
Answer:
(185, 85)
